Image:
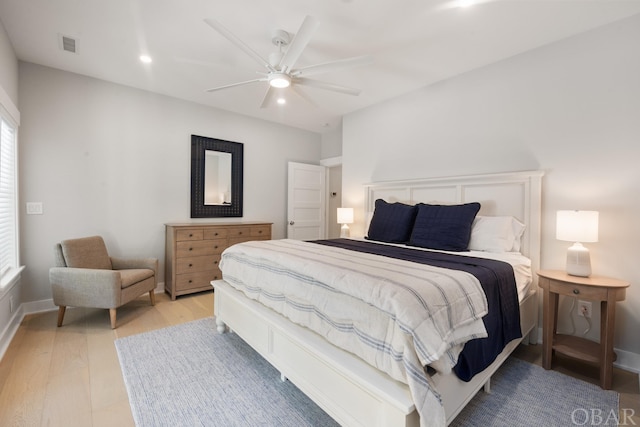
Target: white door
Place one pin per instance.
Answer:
(306, 201)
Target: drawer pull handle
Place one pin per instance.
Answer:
(190, 249)
(215, 262)
(576, 291)
(190, 265)
(190, 281)
(240, 232)
(190, 235)
(215, 247)
(260, 232)
(216, 234)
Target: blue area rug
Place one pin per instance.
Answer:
(189, 375)
(523, 394)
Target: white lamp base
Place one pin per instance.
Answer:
(578, 261)
(344, 230)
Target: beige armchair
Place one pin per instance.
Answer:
(86, 276)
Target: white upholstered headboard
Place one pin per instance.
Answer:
(514, 193)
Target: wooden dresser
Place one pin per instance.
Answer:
(192, 252)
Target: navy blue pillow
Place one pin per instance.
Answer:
(391, 222)
(444, 227)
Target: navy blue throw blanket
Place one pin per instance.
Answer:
(496, 278)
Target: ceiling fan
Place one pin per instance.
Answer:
(280, 72)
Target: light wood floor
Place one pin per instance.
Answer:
(70, 376)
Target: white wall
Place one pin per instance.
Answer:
(8, 67)
(331, 143)
(571, 109)
(111, 160)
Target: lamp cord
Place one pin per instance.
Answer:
(573, 325)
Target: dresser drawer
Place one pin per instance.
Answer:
(197, 263)
(193, 234)
(200, 247)
(245, 234)
(215, 233)
(261, 232)
(239, 232)
(197, 280)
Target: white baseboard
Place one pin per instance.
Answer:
(627, 360)
(41, 306)
(17, 318)
(10, 330)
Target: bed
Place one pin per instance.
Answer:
(354, 387)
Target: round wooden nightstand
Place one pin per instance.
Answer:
(593, 288)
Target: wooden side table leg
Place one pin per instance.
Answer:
(550, 308)
(607, 320)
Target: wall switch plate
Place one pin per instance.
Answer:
(584, 309)
(34, 208)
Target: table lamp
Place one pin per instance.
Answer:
(577, 227)
(345, 217)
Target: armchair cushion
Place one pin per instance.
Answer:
(132, 276)
(126, 263)
(86, 252)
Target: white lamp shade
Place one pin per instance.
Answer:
(345, 215)
(577, 226)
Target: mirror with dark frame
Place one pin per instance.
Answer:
(216, 177)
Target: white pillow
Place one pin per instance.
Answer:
(496, 234)
(518, 230)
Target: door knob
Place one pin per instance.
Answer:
(291, 222)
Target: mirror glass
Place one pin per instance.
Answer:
(216, 177)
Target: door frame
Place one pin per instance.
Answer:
(329, 163)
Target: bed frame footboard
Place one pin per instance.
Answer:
(347, 388)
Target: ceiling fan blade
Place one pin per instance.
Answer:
(239, 43)
(268, 97)
(327, 67)
(300, 41)
(235, 84)
(303, 95)
(327, 86)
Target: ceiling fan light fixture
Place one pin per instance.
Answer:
(279, 80)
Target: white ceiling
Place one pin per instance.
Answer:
(413, 43)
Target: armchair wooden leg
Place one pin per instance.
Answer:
(152, 295)
(112, 315)
(61, 310)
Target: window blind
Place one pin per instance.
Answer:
(8, 198)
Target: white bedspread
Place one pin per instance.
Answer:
(397, 315)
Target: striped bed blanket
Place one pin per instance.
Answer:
(397, 315)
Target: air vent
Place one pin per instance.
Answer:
(68, 44)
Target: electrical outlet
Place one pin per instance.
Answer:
(584, 309)
(34, 208)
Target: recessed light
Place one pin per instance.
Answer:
(146, 59)
(281, 101)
